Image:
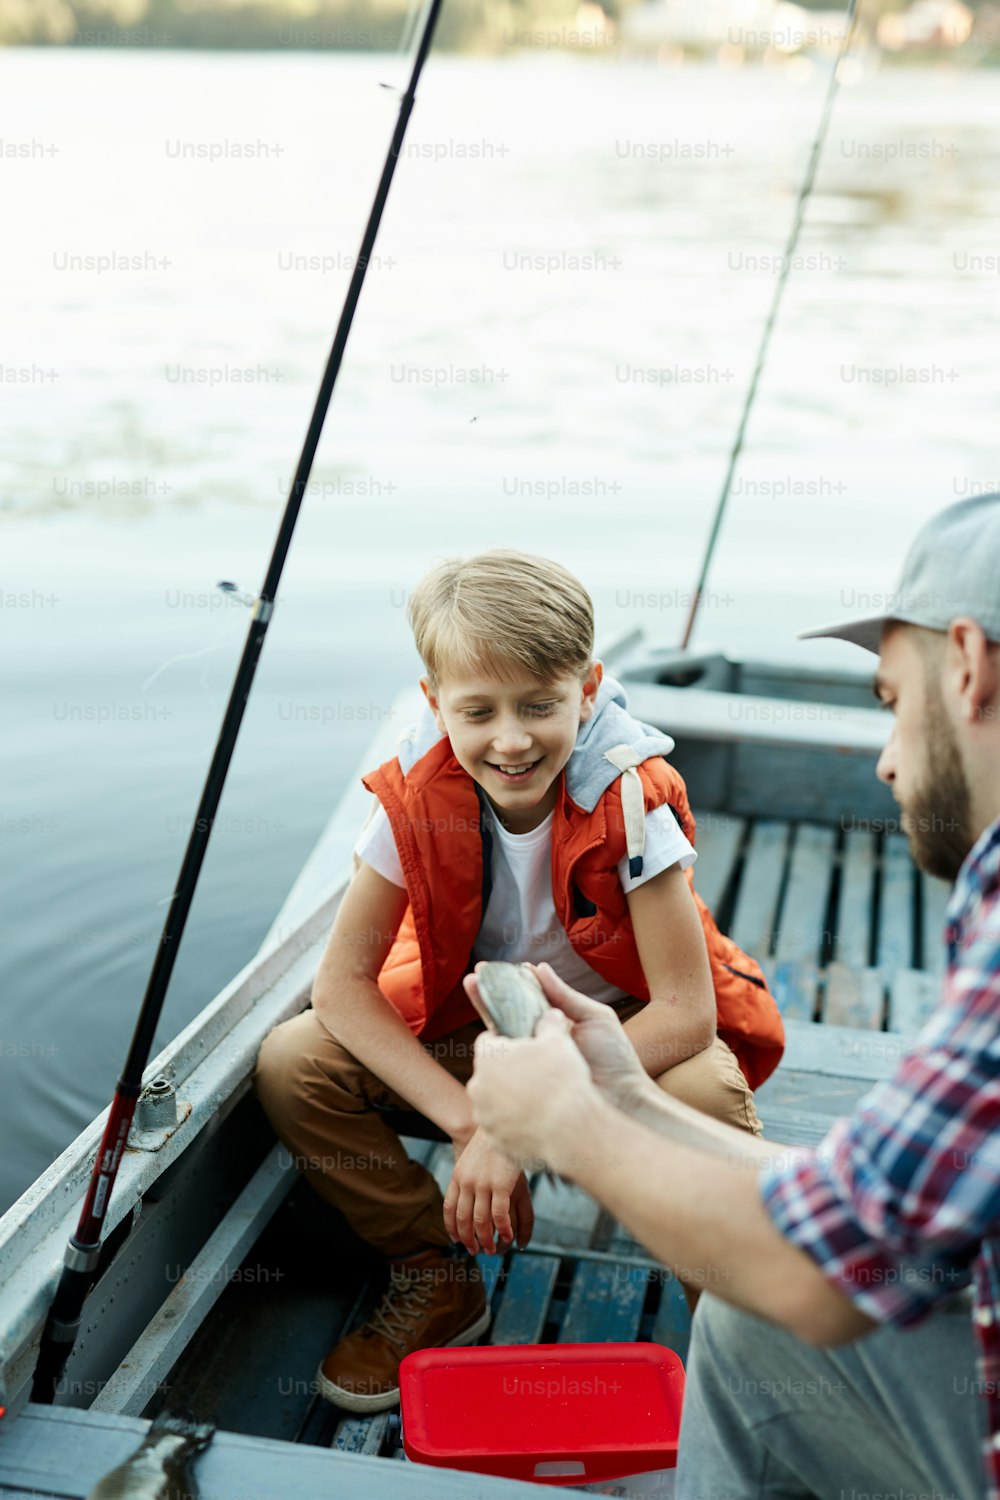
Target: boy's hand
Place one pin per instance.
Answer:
(487, 1193)
(600, 1036)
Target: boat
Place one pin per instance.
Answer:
(223, 1279)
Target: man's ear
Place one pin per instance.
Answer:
(976, 678)
(591, 683)
(430, 693)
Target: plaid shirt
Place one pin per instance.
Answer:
(900, 1204)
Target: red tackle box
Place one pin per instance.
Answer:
(552, 1413)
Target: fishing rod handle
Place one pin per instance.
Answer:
(63, 1325)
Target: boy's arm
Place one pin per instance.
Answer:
(680, 1017)
(348, 1001)
(486, 1189)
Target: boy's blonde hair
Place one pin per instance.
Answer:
(499, 612)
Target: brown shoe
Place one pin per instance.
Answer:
(433, 1301)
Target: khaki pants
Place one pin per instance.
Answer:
(323, 1104)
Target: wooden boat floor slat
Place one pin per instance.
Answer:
(718, 840)
(756, 913)
(847, 930)
(912, 996)
(529, 1285)
(853, 935)
(896, 937)
(853, 997)
(794, 971)
(605, 1304)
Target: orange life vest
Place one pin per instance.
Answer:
(435, 816)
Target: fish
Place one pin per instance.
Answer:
(513, 1001)
(160, 1468)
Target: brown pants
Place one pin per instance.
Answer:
(323, 1104)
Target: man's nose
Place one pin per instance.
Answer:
(885, 769)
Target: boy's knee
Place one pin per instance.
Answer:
(713, 1083)
(300, 1064)
(287, 1063)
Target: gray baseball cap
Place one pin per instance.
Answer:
(952, 569)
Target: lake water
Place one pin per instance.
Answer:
(551, 352)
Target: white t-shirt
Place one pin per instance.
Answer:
(520, 922)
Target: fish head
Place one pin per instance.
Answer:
(512, 1000)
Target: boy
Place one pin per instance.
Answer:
(528, 817)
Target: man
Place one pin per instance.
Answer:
(837, 1354)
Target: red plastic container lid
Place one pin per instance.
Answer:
(552, 1413)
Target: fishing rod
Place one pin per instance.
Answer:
(851, 16)
(84, 1247)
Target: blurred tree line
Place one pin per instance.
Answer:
(464, 25)
(352, 25)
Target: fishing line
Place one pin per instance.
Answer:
(238, 596)
(851, 16)
(214, 645)
(81, 1263)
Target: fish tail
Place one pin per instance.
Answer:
(182, 1424)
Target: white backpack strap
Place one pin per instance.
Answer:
(624, 759)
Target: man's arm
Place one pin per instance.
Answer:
(711, 1226)
(697, 1207)
(679, 1020)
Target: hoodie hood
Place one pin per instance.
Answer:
(588, 773)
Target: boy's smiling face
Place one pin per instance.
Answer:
(514, 735)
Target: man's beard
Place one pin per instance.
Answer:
(938, 818)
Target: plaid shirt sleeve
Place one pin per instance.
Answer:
(894, 1204)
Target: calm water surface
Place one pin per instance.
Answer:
(551, 352)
